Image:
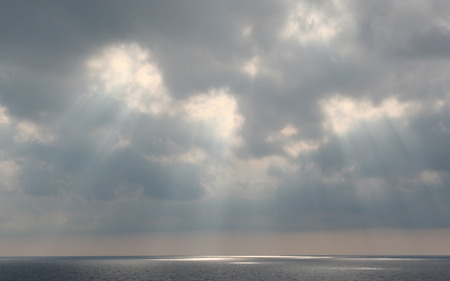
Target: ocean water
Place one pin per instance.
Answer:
(226, 268)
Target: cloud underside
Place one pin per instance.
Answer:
(222, 116)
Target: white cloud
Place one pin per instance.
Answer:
(430, 177)
(289, 130)
(4, 118)
(426, 177)
(30, 132)
(252, 67)
(8, 174)
(126, 72)
(247, 31)
(368, 188)
(289, 140)
(219, 111)
(308, 22)
(247, 178)
(294, 149)
(342, 113)
(193, 156)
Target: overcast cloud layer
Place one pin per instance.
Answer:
(149, 116)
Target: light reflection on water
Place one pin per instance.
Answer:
(245, 262)
(288, 257)
(362, 268)
(206, 258)
(234, 258)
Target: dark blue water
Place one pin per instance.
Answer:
(226, 268)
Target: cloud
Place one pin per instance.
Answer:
(276, 115)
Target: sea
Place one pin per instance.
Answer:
(226, 268)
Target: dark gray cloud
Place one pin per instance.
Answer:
(146, 116)
(416, 30)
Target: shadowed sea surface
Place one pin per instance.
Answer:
(226, 268)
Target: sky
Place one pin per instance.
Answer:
(224, 127)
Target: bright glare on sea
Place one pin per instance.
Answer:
(226, 268)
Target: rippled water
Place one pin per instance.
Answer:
(226, 268)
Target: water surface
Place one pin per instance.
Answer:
(226, 268)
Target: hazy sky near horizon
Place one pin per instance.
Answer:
(258, 116)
